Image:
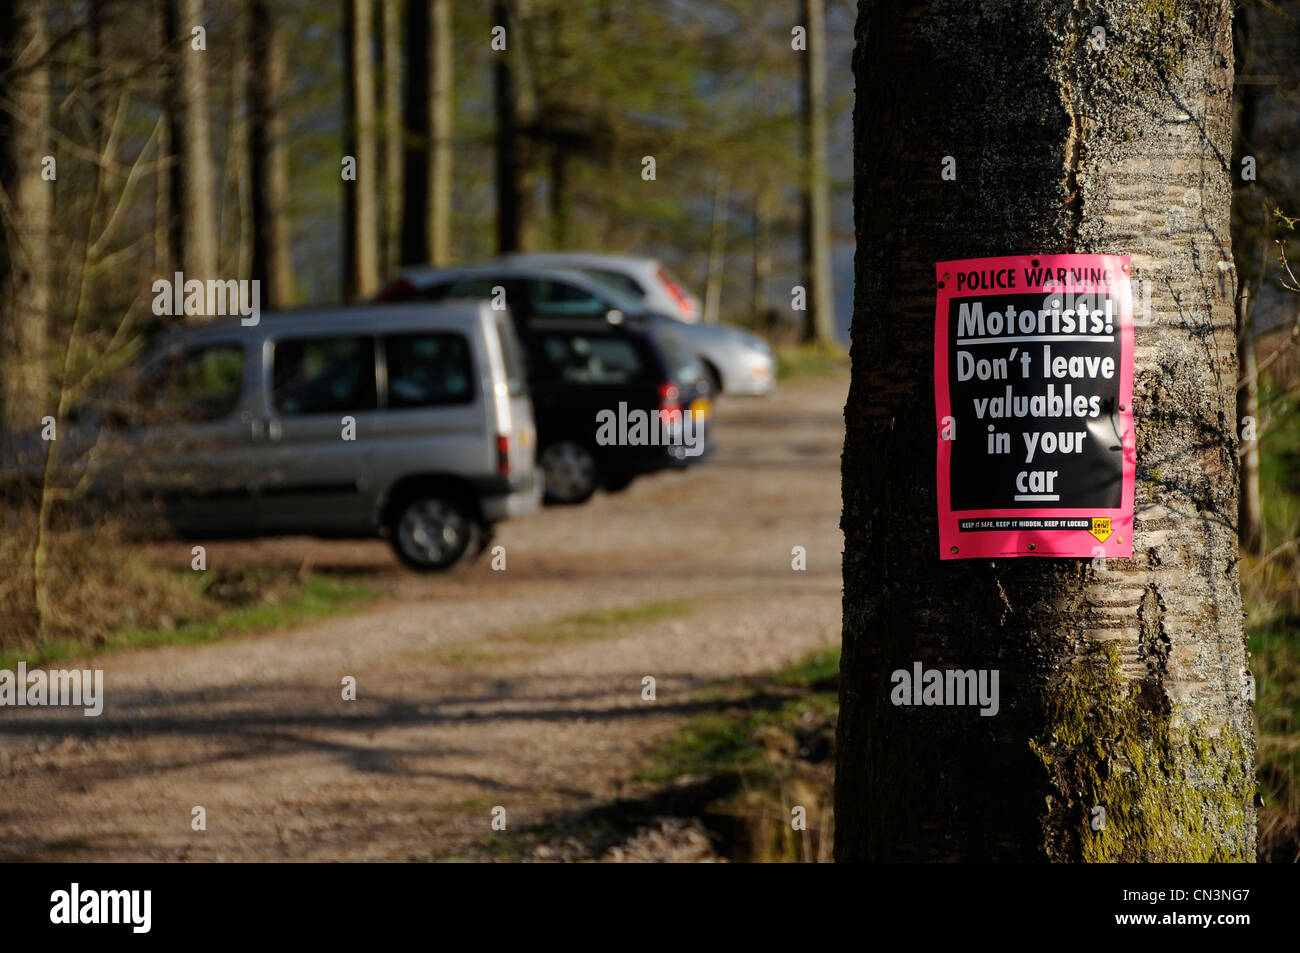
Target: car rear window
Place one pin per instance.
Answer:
(594, 359)
(428, 370)
(617, 280)
(324, 375)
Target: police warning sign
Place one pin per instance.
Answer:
(1033, 375)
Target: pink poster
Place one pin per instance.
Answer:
(1033, 392)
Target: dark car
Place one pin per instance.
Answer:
(612, 401)
(591, 351)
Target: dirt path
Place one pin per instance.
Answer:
(468, 695)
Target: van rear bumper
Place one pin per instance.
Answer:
(502, 498)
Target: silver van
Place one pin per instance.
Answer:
(410, 421)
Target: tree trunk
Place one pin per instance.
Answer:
(197, 251)
(391, 70)
(268, 158)
(165, 178)
(560, 197)
(429, 117)
(442, 120)
(25, 141)
(1122, 687)
(816, 191)
(717, 251)
(93, 288)
(417, 120)
(515, 177)
(761, 265)
(360, 201)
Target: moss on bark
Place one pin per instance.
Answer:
(1169, 789)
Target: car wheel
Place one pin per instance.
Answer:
(570, 470)
(617, 482)
(433, 531)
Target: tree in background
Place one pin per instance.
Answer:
(429, 112)
(26, 202)
(1122, 687)
(390, 74)
(192, 233)
(815, 197)
(268, 157)
(360, 195)
(515, 108)
(1250, 239)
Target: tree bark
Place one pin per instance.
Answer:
(761, 263)
(272, 263)
(192, 144)
(816, 192)
(515, 177)
(360, 199)
(391, 69)
(25, 214)
(417, 120)
(717, 250)
(442, 120)
(164, 223)
(1121, 688)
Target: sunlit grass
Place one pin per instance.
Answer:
(317, 598)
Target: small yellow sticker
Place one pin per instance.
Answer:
(1101, 528)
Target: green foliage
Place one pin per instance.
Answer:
(279, 604)
(1271, 593)
(810, 360)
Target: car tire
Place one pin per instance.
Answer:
(618, 482)
(432, 531)
(571, 473)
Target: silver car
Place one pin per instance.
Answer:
(643, 278)
(737, 361)
(413, 422)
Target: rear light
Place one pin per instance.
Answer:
(670, 407)
(503, 455)
(683, 303)
(397, 290)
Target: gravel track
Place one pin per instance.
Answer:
(466, 700)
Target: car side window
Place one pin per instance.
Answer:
(199, 385)
(428, 370)
(325, 375)
(470, 288)
(593, 360)
(548, 298)
(617, 280)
